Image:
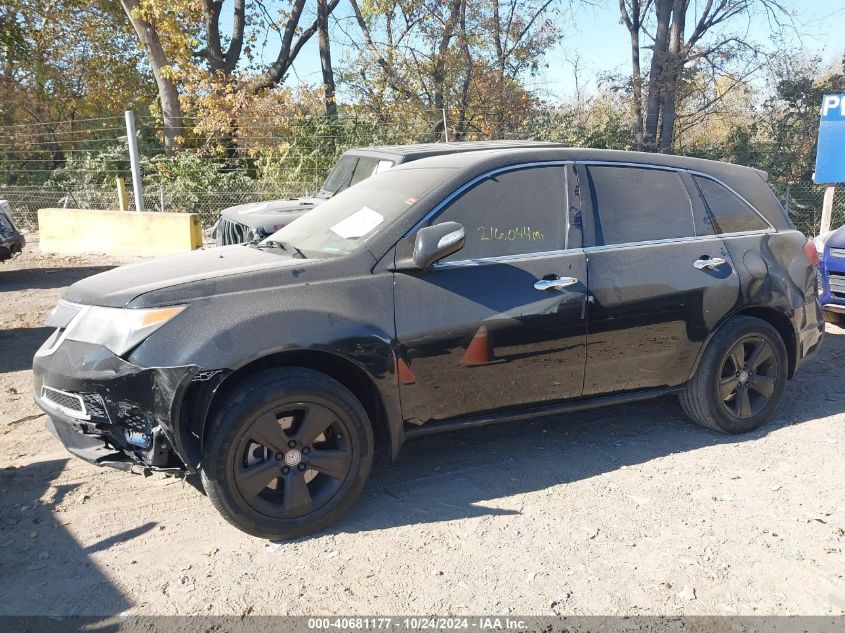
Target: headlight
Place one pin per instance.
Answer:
(118, 329)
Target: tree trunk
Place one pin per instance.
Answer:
(655, 74)
(438, 74)
(167, 93)
(463, 105)
(326, 58)
(633, 22)
(672, 75)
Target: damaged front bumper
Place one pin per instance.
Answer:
(109, 411)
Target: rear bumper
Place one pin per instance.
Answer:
(808, 323)
(110, 412)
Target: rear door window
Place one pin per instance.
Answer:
(730, 214)
(513, 213)
(638, 204)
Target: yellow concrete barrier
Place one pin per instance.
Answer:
(77, 231)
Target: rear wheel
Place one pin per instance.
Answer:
(741, 377)
(287, 453)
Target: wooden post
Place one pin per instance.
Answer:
(827, 210)
(122, 200)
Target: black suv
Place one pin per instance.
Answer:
(454, 291)
(256, 220)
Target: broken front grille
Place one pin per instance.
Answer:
(95, 407)
(229, 232)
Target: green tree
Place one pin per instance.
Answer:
(57, 68)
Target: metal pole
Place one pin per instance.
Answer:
(134, 162)
(827, 210)
(445, 129)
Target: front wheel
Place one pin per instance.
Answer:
(741, 377)
(287, 453)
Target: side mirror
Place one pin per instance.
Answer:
(433, 243)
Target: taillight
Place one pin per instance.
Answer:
(811, 253)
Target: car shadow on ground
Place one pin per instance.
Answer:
(450, 476)
(19, 345)
(44, 278)
(37, 553)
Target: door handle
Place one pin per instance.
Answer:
(711, 263)
(557, 283)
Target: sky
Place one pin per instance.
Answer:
(599, 43)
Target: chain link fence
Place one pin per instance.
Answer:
(803, 201)
(25, 201)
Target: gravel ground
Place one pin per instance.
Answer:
(627, 510)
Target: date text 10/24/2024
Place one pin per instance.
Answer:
(416, 623)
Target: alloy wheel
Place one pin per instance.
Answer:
(748, 377)
(292, 459)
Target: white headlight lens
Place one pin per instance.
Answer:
(118, 329)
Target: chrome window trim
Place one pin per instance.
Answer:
(439, 207)
(464, 263)
(499, 259)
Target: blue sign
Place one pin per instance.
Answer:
(830, 154)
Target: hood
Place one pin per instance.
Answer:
(835, 238)
(267, 215)
(118, 287)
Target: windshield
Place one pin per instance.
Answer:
(345, 222)
(350, 170)
(339, 176)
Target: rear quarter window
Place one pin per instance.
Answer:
(730, 213)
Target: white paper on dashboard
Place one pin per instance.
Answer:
(358, 224)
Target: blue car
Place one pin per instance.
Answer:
(831, 249)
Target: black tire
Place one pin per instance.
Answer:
(726, 394)
(338, 460)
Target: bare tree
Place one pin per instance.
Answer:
(326, 58)
(293, 37)
(464, 59)
(711, 42)
(218, 59)
(168, 94)
(633, 12)
(223, 60)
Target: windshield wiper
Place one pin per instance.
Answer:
(282, 245)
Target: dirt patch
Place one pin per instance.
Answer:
(627, 510)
